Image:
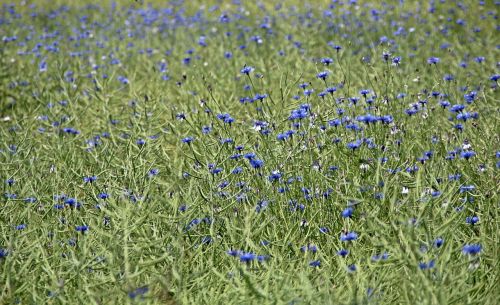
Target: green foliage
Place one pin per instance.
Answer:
(160, 224)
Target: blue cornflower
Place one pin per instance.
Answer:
(3, 253)
(384, 256)
(354, 145)
(89, 179)
(436, 194)
(351, 268)
(42, 66)
(187, 140)
(448, 77)
(153, 172)
(234, 252)
(457, 108)
(246, 70)
(343, 252)
(467, 154)
(308, 92)
(323, 75)
(364, 92)
(433, 60)
(438, 242)
(256, 163)
(262, 258)
(140, 142)
(467, 188)
(206, 129)
(424, 266)
(282, 137)
(30, 200)
(21, 227)
(472, 249)
(123, 80)
(350, 236)
(326, 60)
(103, 196)
(347, 213)
(472, 220)
(247, 257)
(82, 229)
(216, 170)
(138, 292)
(260, 96)
(237, 170)
(275, 176)
(315, 264)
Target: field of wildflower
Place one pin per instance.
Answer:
(233, 152)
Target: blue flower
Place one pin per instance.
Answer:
(246, 70)
(457, 108)
(82, 229)
(438, 242)
(42, 66)
(21, 227)
(315, 264)
(89, 179)
(384, 256)
(256, 163)
(350, 236)
(467, 154)
(30, 200)
(433, 60)
(123, 80)
(467, 188)
(347, 213)
(472, 220)
(323, 75)
(187, 140)
(275, 176)
(138, 292)
(472, 249)
(343, 252)
(153, 172)
(326, 60)
(424, 266)
(354, 145)
(103, 195)
(351, 268)
(247, 257)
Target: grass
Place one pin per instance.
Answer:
(108, 92)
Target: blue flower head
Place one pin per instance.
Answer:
(472, 249)
(350, 236)
(246, 70)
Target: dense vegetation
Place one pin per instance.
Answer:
(336, 152)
